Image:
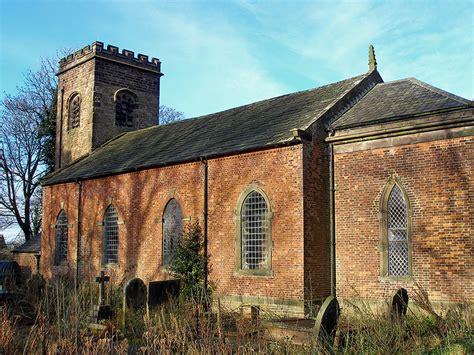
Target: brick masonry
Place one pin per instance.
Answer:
(437, 176)
(140, 198)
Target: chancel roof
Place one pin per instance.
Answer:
(258, 125)
(399, 99)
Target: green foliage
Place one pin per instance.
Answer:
(188, 263)
(47, 131)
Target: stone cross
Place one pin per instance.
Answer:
(102, 279)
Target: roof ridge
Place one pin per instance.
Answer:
(362, 76)
(440, 91)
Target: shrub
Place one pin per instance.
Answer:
(188, 263)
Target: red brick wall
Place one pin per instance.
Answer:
(316, 222)
(438, 178)
(141, 197)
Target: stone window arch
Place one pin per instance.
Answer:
(395, 228)
(74, 110)
(254, 237)
(172, 229)
(60, 255)
(111, 236)
(126, 102)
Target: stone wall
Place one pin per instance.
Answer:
(96, 74)
(437, 175)
(27, 263)
(140, 198)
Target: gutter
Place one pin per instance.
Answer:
(78, 240)
(332, 217)
(169, 163)
(205, 214)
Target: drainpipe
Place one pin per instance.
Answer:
(61, 129)
(78, 240)
(204, 161)
(332, 216)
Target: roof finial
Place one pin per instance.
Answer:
(372, 61)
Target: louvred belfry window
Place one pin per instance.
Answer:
(397, 233)
(61, 238)
(111, 236)
(172, 229)
(255, 232)
(125, 104)
(74, 111)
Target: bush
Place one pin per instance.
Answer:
(188, 263)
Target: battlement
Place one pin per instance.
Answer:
(110, 52)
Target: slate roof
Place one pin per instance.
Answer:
(31, 246)
(399, 99)
(258, 125)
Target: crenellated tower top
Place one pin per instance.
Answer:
(97, 49)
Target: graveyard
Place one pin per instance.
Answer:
(100, 318)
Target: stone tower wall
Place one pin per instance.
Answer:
(96, 73)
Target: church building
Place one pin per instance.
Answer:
(355, 188)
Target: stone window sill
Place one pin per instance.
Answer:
(254, 273)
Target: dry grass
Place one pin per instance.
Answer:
(60, 325)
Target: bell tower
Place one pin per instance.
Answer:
(103, 93)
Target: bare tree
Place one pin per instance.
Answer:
(27, 130)
(169, 114)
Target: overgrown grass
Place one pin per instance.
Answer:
(57, 322)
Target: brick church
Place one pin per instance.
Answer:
(355, 188)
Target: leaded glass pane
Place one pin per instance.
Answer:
(255, 232)
(172, 229)
(397, 233)
(111, 236)
(61, 238)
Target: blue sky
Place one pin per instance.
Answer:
(221, 54)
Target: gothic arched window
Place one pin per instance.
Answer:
(74, 110)
(255, 233)
(125, 104)
(172, 229)
(396, 223)
(111, 236)
(61, 238)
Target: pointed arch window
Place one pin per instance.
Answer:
(61, 238)
(172, 229)
(111, 236)
(125, 104)
(254, 233)
(396, 224)
(74, 111)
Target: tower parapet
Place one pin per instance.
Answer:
(97, 49)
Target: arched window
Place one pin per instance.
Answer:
(125, 104)
(395, 227)
(111, 236)
(61, 238)
(255, 236)
(172, 229)
(74, 110)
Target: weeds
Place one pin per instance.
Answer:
(60, 325)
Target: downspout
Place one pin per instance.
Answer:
(332, 216)
(78, 240)
(204, 244)
(61, 129)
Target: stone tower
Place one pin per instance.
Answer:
(101, 94)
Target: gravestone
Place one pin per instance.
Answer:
(135, 294)
(102, 310)
(399, 304)
(326, 320)
(160, 292)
